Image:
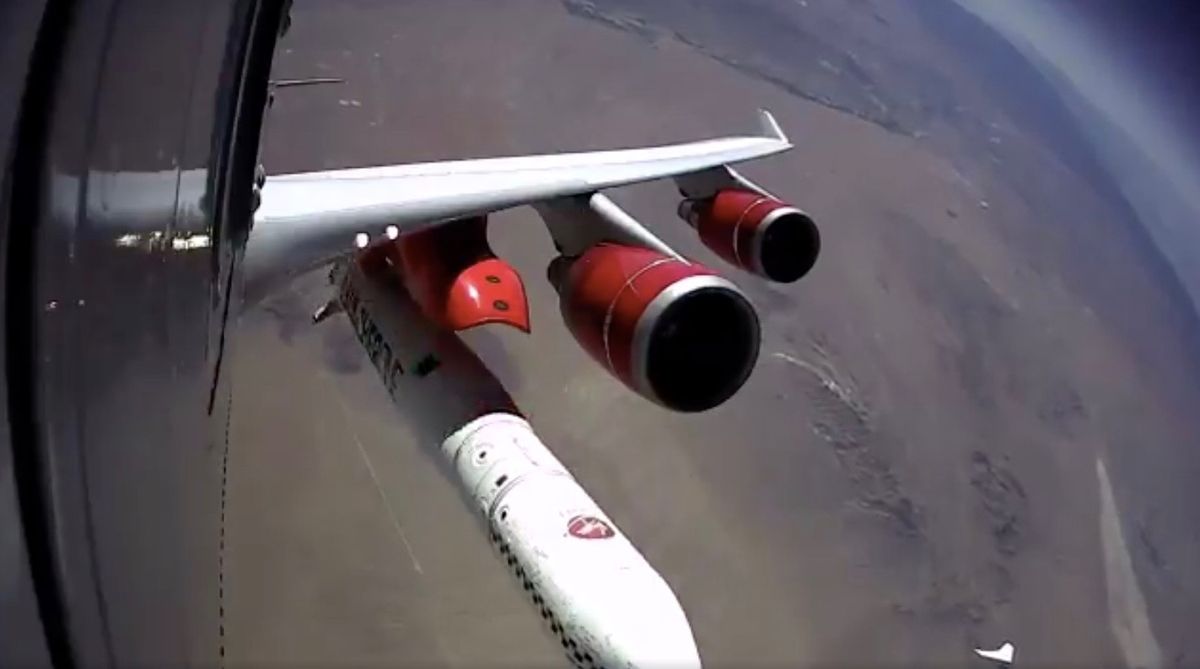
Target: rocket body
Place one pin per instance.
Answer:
(600, 598)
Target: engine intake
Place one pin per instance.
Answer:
(671, 330)
(756, 232)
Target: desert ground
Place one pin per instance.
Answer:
(973, 422)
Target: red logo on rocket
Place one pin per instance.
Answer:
(589, 527)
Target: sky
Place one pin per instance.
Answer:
(1136, 62)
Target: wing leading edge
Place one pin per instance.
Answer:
(309, 219)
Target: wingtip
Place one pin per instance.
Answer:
(769, 127)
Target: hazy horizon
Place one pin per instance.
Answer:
(1106, 66)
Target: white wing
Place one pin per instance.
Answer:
(309, 219)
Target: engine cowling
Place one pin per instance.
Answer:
(671, 330)
(756, 232)
(456, 279)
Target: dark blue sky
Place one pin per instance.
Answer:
(1161, 39)
(1138, 63)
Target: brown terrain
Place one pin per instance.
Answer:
(974, 422)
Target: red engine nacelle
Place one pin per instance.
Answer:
(671, 330)
(458, 282)
(756, 232)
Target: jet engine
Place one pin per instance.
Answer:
(756, 232)
(671, 330)
(457, 280)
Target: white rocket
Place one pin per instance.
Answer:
(605, 604)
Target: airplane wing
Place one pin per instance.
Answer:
(670, 329)
(309, 219)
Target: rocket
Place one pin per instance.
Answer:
(599, 597)
(604, 604)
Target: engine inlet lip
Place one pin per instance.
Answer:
(644, 330)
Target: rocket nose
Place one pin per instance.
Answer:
(659, 635)
(677, 651)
